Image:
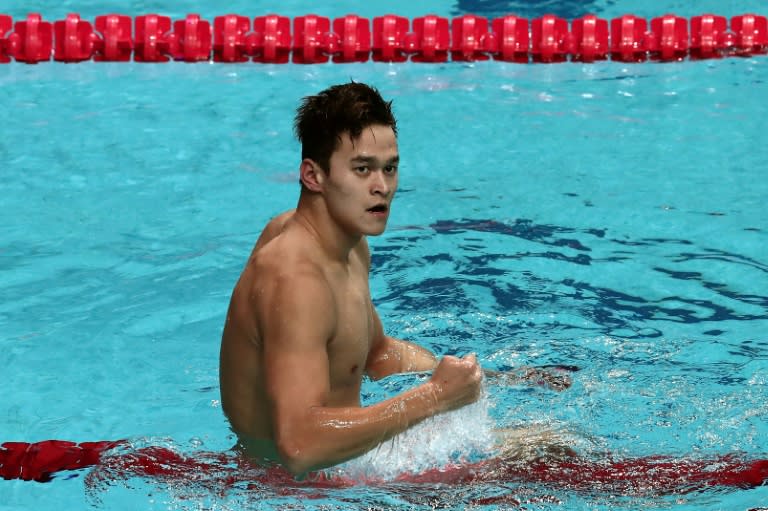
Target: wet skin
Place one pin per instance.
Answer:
(302, 331)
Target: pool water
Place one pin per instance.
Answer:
(608, 216)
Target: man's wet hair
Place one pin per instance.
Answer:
(321, 120)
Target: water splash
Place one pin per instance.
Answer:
(461, 436)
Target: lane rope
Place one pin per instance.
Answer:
(42, 461)
(312, 39)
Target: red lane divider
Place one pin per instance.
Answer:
(116, 45)
(41, 461)
(315, 39)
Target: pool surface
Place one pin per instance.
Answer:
(606, 216)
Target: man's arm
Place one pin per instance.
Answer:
(391, 356)
(297, 318)
(554, 377)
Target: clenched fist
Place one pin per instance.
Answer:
(456, 382)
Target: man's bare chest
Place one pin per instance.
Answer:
(351, 343)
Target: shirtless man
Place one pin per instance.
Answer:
(301, 330)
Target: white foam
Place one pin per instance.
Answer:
(450, 438)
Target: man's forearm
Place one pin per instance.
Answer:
(327, 436)
(400, 356)
(415, 358)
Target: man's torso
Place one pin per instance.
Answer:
(283, 245)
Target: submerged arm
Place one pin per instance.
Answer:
(554, 377)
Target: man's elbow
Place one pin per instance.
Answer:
(375, 373)
(297, 456)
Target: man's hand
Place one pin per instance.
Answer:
(456, 382)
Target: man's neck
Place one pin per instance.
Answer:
(312, 214)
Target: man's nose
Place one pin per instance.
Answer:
(380, 183)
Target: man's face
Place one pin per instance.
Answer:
(362, 180)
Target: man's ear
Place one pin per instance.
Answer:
(311, 175)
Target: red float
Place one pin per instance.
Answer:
(708, 36)
(151, 38)
(627, 39)
(6, 23)
(271, 39)
(230, 42)
(549, 39)
(469, 38)
(74, 39)
(589, 39)
(311, 35)
(751, 33)
(31, 40)
(389, 34)
(510, 41)
(191, 40)
(115, 43)
(430, 39)
(352, 39)
(668, 39)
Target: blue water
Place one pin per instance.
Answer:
(608, 216)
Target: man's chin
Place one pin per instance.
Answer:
(376, 232)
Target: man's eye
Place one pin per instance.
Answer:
(362, 169)
(390, 169)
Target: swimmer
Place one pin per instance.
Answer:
(301, 330)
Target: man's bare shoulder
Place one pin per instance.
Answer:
(273, 229)
(288, 252)
(287, 258)
(287, 280)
